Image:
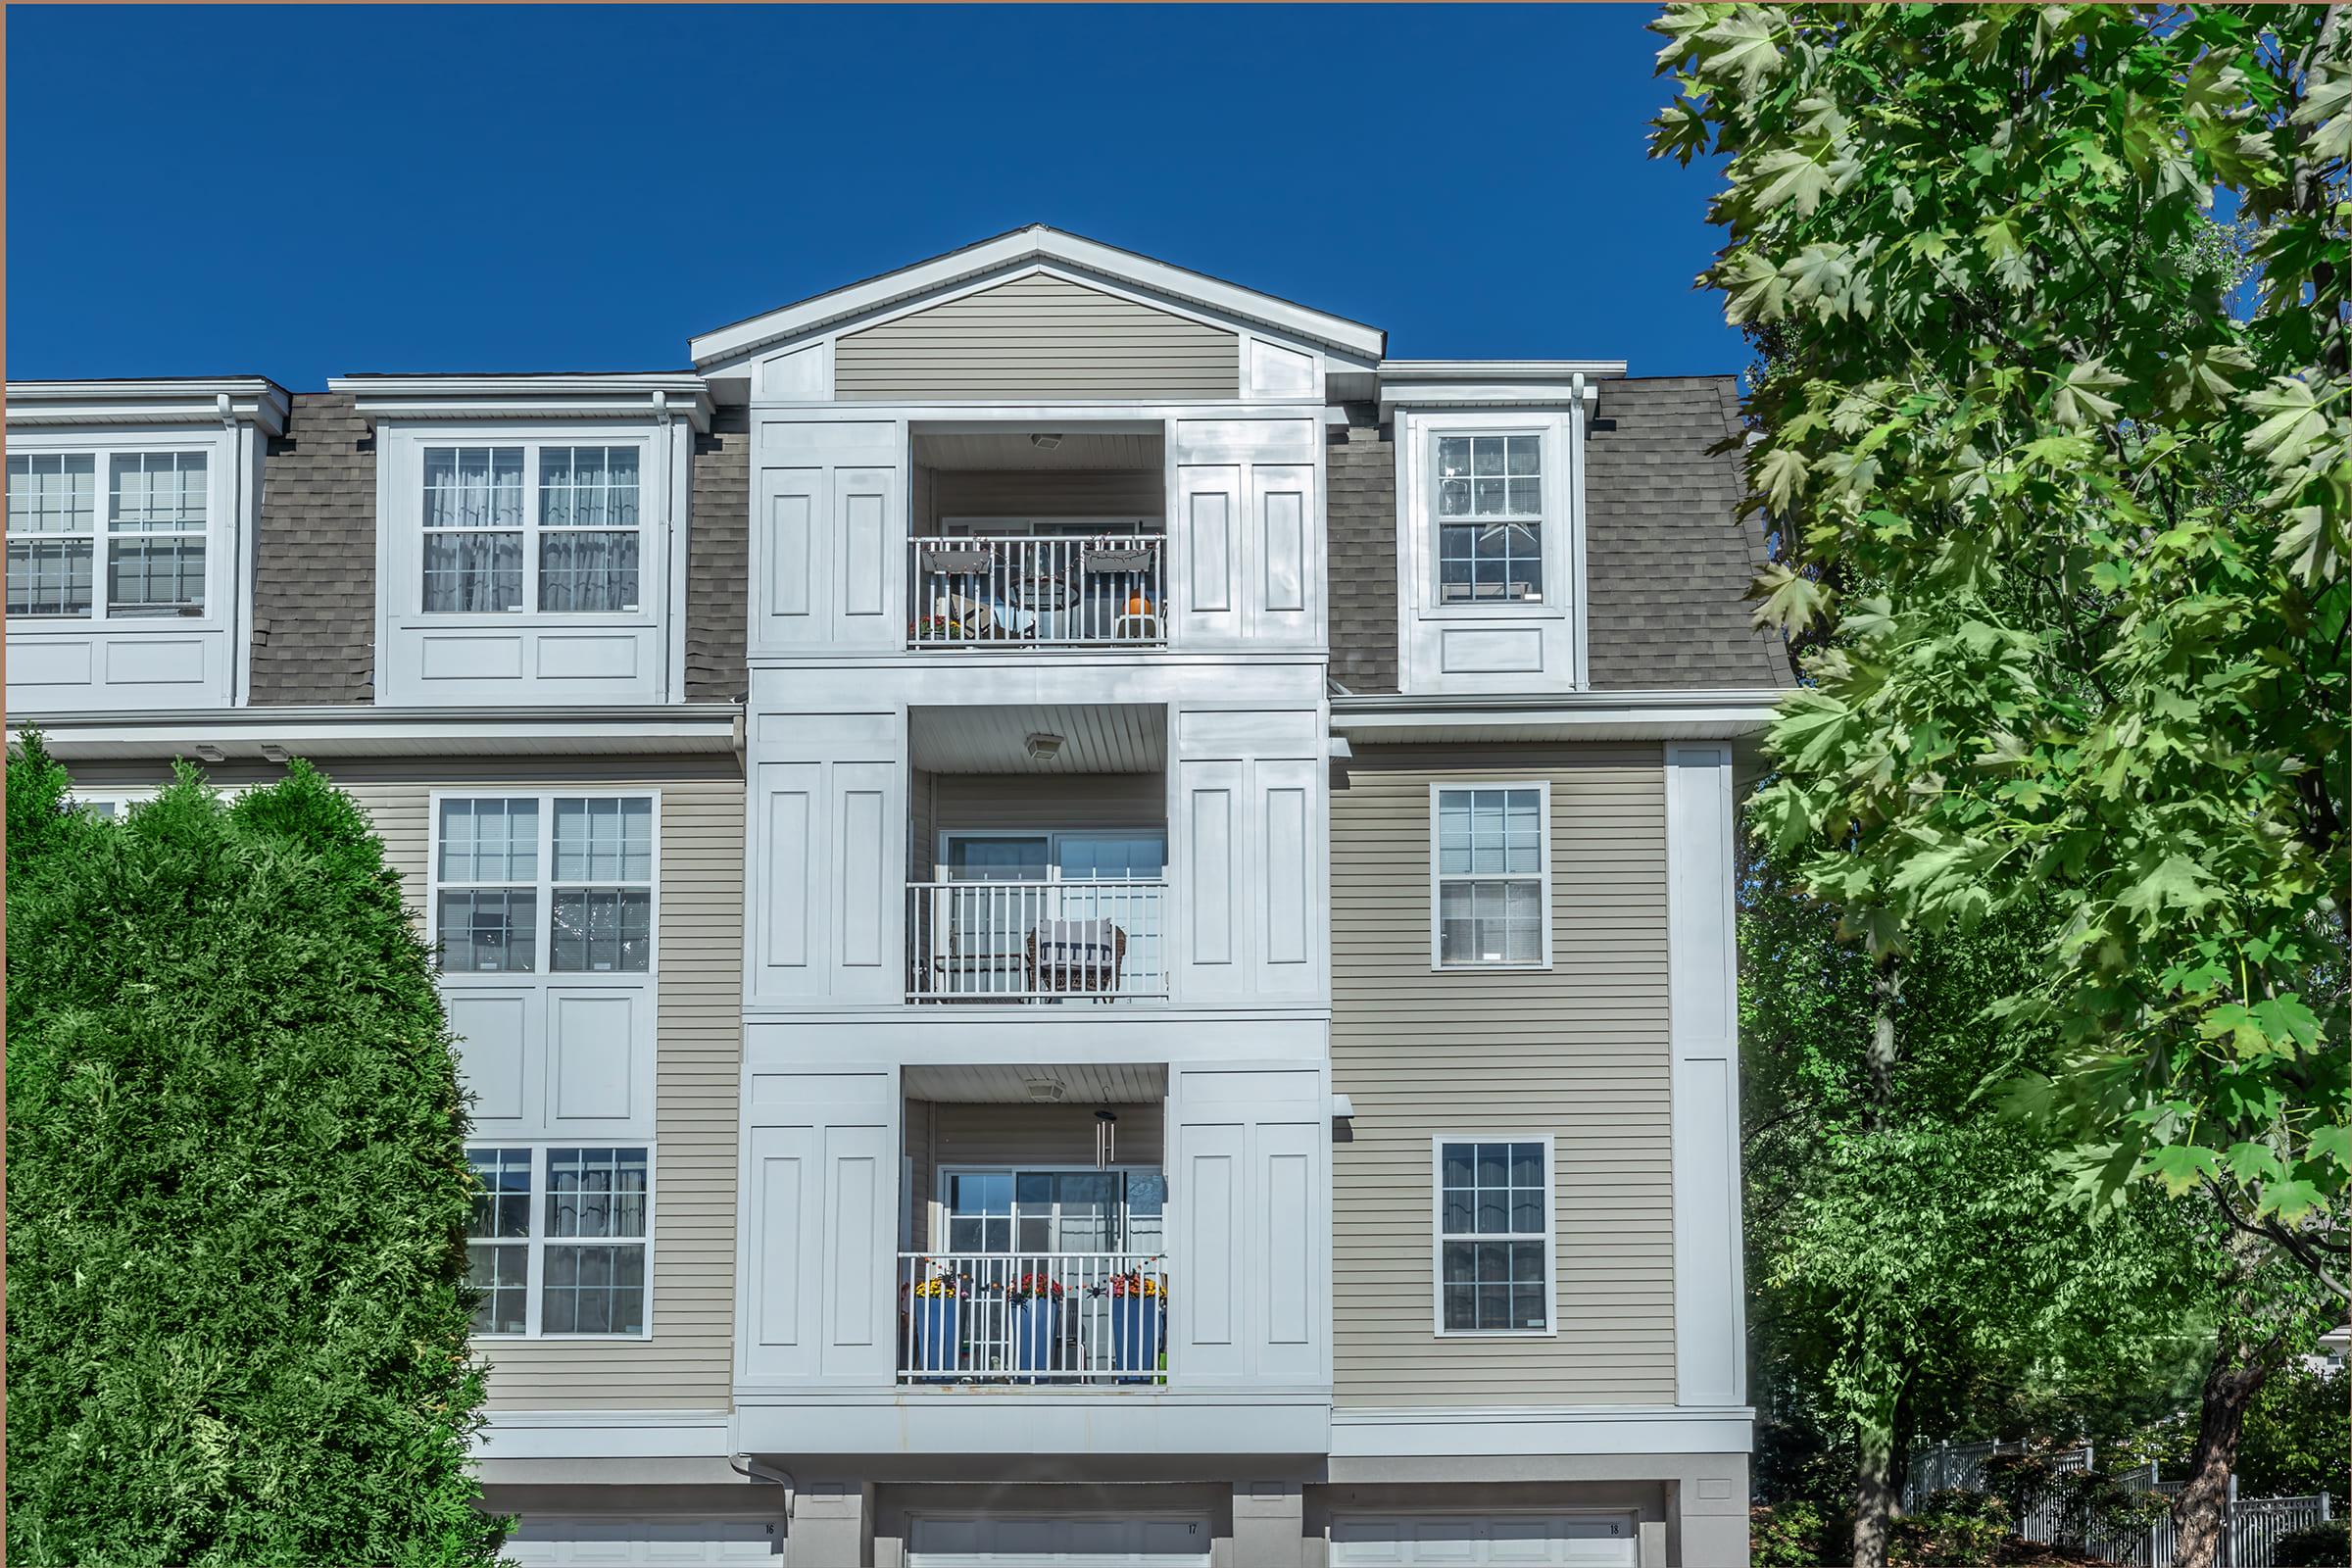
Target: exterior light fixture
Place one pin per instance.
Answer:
(1044, 748)
(1045, 441)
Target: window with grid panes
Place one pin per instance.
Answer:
(1490, 882)
(1490, 508)
(581, 906)
(52, 532)
(156, 507)
(549, 528)
(1494, 1237)
(558, 1240)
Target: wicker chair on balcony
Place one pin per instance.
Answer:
(1076, 958)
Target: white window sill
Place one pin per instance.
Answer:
(1508, 610)
(1491, 968)
(1499, 1334)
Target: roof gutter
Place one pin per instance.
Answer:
(361, 729)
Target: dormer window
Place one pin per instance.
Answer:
(1490, 519)
(545, 528)
(158, 508)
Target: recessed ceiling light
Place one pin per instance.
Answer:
(1045, 441)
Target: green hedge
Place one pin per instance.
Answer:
(237, 1192)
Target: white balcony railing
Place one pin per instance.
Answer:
(1033, 1317)
(1035, 941)
(1043, 592)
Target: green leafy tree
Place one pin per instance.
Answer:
(238, 1313)
(2064, 536)
(1909, 1279)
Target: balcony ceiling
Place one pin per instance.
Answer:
(993, 739)
(1012, 450)
(1007, 1084)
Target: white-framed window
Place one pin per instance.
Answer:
(1490, 511)
(560, 1239)
(558, 883)
(532, 527)
(1493, 1233)
(154, 541)
(1053, 1208)
(1490, 876)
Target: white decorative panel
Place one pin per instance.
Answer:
(787, 810)
(493, 656)
(827, 560)
(585, 655)
(1286, 841)
(1501, 650)
(864, 836)
(791, 541)
(48, 661)
(1211, 862)
(1247, 1147)
(1270, 371)
(1207, 503)
(1283, 551)
(492, 1031)
(592, 1055)
(818, 1253)
(155, 661)
(1248, 839)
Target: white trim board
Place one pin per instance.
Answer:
(224, 400)
(361, 730)
(604, 1435)
(1036, 243)
(1519, 1430)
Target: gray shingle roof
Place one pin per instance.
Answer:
(1668, 564)
(314, 587)
(719, 544)
(1360, 470)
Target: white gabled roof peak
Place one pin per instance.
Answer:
(1008, 253)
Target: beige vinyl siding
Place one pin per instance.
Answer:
(1580, 1052)
(1037, 337)
(942, 492)
(688, 1361)
(942, 1134)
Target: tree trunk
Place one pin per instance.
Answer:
(1876, 1492)
(2200, 1512)
(1878, 1062)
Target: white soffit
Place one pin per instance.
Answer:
(1083, 1084)
(1492, 383)
(1029, 246)
(240, 733)
(1389, 720)
(667, 394)
(214, 400)
(1096, 738)
(1011, 451)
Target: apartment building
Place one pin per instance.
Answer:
(1091, 923)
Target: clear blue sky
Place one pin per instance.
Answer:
(308, 192)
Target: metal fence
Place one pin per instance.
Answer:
(2253, 1526)
(1033, 1317)
(1032, 941)
(1046, 592)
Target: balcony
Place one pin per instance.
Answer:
(1013, 1318)
(989, 590)
(1036, 941)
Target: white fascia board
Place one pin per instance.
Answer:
(254, 400)
(1492, 383)
(363, 731)
(604, 1435)
(1037, 1423)
(1036, 243)
(1394, 721)
(1519, 1430)
(675, 394)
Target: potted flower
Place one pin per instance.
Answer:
(1036, 1304)
(939, 1321)
(1138, 1311)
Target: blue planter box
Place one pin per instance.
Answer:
(1036, 1323)
(938, 1335)
(1134, 1340)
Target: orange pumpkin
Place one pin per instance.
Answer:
(1138, 604)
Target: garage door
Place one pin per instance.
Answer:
(544, 1542)
(1548, 1539)
(1003, 1540)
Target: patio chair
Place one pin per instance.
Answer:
(1077, 958)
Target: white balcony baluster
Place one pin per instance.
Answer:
(972, 591)
(1033, 1317)
(987, 941)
